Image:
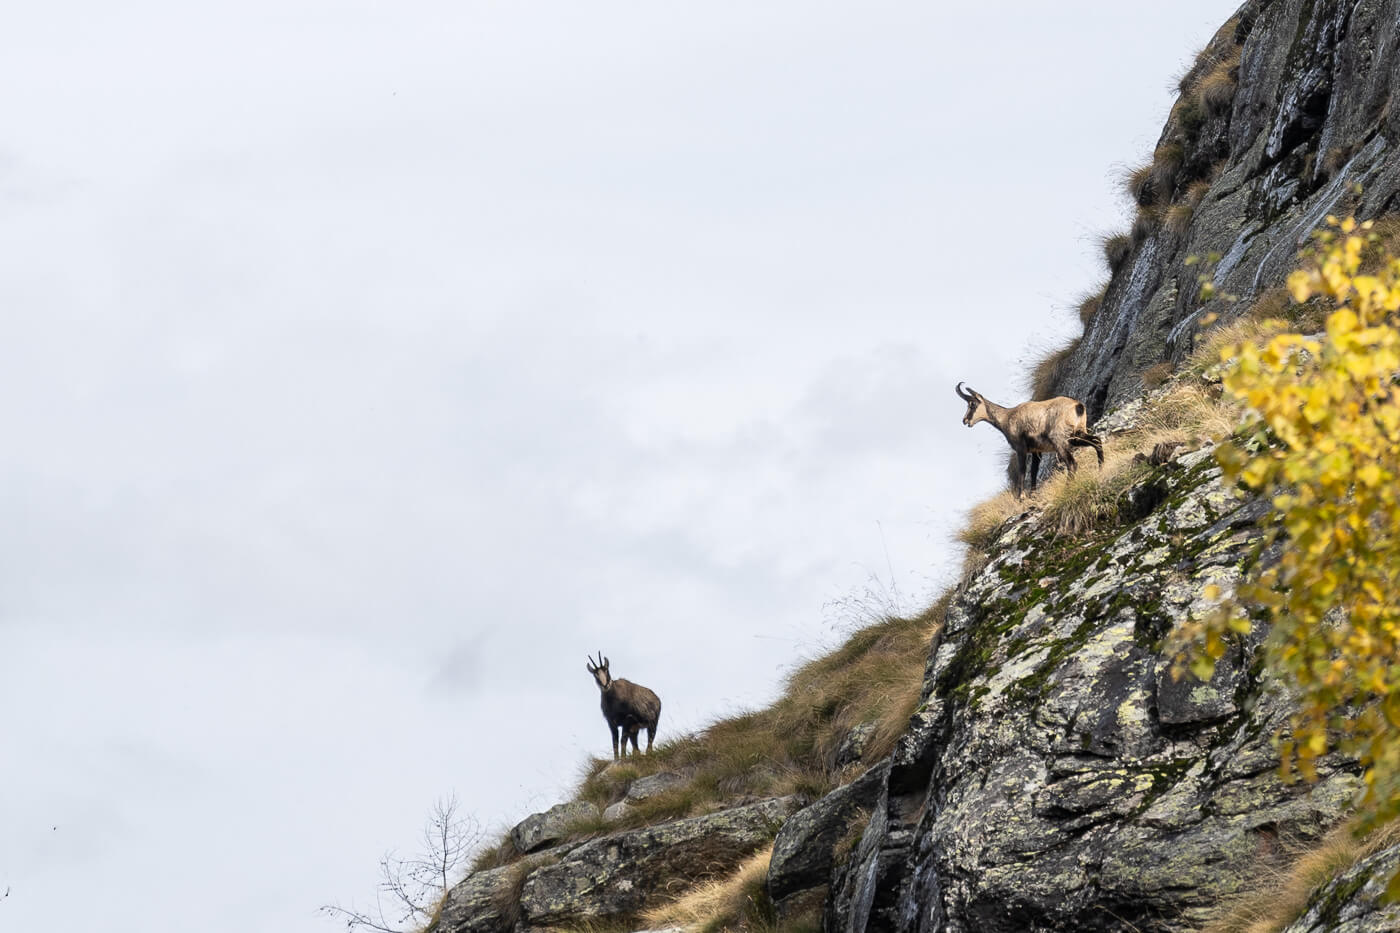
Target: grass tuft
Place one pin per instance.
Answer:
(1283, 893)
(1116, 249)
(1215, 93)
(1089, 305)
(1146, 223)
(736, 901)
(1051, 371)
(1138, 183)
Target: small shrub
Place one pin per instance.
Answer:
(1178, 218)
(1187, 117)
(1326, 406)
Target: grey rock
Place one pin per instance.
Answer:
(541, 830)
(617, 811)
(852, 747)
(619, 875)
(804, 849)
(1310, 120)
(1056, 777)
(474, 905)
(644, 788)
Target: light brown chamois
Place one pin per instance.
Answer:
(627, 707)
(1054, 426)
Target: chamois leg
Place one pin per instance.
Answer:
(1066, 455)
(1035, 470)
(1085, 439)
(1018, 473)
(636, 748)
(651, 734)
(615, 730)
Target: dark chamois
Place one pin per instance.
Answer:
(627, 707)
(1055, 425)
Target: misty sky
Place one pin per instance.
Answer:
(368, 365)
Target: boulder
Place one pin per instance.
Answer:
(478, 903)
(853, 744)
(644, 788)
(617, 876)
(541, 830)
(803, 853)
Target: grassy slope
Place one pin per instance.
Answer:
(876, 676)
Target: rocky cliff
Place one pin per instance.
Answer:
(1289, 108)
(1052, 775)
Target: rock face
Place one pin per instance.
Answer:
(804, 851)
(1057, 777)
(1316, 112)
(624, 873)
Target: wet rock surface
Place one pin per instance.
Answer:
(1313, 116)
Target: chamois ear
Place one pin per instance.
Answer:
(605, 662)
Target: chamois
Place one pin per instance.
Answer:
(627, 707)
(1055, 425)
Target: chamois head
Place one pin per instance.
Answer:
(976, 405)
(600, 671)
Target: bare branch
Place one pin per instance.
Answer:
(410, 889)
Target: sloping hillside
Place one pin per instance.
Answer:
(1018, 756)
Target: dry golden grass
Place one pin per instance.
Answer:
(1153, 376)
(1206, 352)
(985, 519)
(1283, 892)
(1050, 371)
(1385, 239)
(1178, 216)
(1138, 183)
(1216, 89)
(1116, 249)
(737, 901)
(1177, 219)
(875, 677)
(1089, 305)
(1167, 161)
(1146, 223)
(1189, 413)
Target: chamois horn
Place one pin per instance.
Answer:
(965, 396)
